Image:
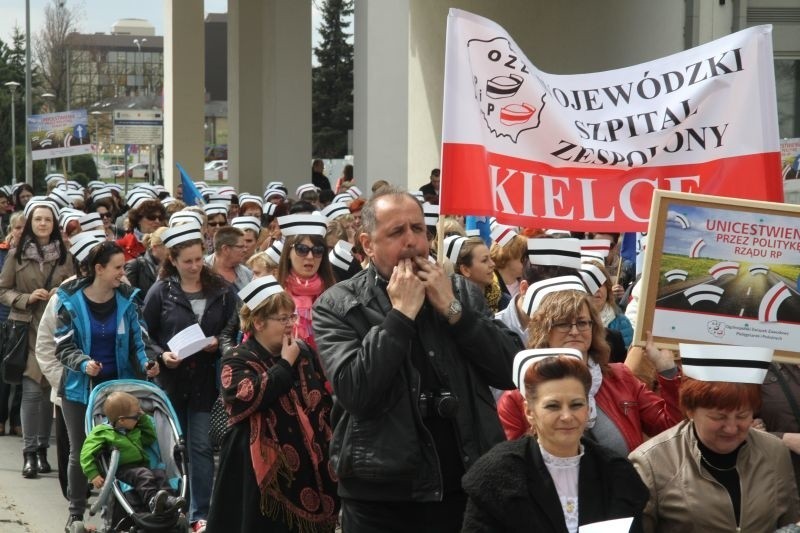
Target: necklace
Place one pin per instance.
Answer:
(706, 461)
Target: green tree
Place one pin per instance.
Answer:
(12, 68)
(332, 81)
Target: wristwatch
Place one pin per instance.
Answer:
(453, 309)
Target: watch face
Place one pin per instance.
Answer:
(455, 308)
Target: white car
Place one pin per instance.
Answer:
(138, 170)
(217, 164)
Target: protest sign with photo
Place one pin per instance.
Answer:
(585, 152)
(59, 134)
(722, 271)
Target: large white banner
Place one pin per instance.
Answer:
(586, 151)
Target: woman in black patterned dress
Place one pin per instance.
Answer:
(274, 472)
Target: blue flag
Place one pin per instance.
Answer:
(628, 250)
(191, 194)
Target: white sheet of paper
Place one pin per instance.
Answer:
(618, 525)
(188, 341)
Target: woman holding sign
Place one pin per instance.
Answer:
(186, 294)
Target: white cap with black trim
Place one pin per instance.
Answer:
(303, 224)
(304, 188)
(82, 243)
(354, 192)
(179, 234)
(592, 276)
(540, 289)
(502, 234)
(334, 211)
(524, 359)
(214, 209)
(555, 252)
(452, 247)
(595, 249)
(257, 291)
(275, 185)
(720, 362)
(101, 193)
(90, 222)
(269, 193)
(138, 197)
(341, 255)
(246, 198)
(250, 223)
(342, 198)
(55, 177)
(419, 195)
(40, 201)
(431, 212)
(185, 217)
(274, 251)
(60, 197)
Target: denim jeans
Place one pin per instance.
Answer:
(195, 426)
(36, 413)
(74, 414)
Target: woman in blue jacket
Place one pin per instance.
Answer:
(188, 293)
(99, 337)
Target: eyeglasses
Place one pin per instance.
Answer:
(302, 250)
(566, 327)
(285, 320)
(108, 215)
(154, 216)
(129, 417)
(217, 224)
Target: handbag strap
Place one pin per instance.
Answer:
(50, 276)
(788, 393)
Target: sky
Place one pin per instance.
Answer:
(99, 15)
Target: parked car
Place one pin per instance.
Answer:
(138, 170)
(217, 164)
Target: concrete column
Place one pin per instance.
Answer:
(184, 91)
(381, 96)
(269, 93)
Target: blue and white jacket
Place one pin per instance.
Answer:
(74, 339)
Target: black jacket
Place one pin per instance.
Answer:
(510, 490)
(142, 272)
(381, 449)
(166, 312)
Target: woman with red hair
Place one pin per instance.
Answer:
(713, 471)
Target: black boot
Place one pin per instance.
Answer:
(31, 467)
(44, 466)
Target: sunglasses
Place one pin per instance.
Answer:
(302, 250)
(155, 216)
(108, 215)
(216, 224)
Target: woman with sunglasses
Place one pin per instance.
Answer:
(622, 408)
(274, 470)
(304, 270)
(188, 293)
(99, 337)
(144, 217)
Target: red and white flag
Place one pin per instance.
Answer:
(585, 152)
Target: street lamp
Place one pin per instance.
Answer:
(49, 98)
(12, 87)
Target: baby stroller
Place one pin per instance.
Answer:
(124, 511)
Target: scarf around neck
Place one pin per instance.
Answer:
(304, 291)
(597, 380)
(50, 251)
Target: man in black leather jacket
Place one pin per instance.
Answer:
(411, 354)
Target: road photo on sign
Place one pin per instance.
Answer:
(729, 275)
(63, 134)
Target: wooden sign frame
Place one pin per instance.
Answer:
(721, 271)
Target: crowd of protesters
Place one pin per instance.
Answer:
(382, 367)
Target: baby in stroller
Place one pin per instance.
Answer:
(130, 431)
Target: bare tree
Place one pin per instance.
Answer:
(51, 48)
